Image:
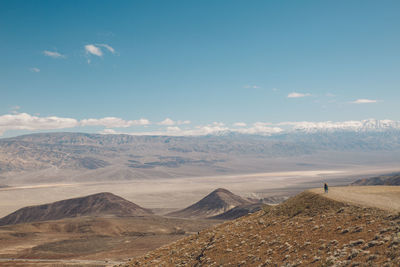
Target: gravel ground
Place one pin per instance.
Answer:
(382, 197)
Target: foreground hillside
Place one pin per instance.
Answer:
(306, 230)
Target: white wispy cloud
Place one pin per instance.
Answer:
(108, 47)
(297, 95)
(248, 86)
(364, 101)
(260, 128)
(95, 49)
(170, 122)
(24, 121)
(167, 121)
(353, 125)
(53, 54)
(34, 69)
(113, 122)
(240, 124)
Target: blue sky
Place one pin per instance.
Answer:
(198, 61)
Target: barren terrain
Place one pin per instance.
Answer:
(307, 230)
(90, 241)
(169, 194)
(382, 197)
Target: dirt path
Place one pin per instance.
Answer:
(382, 197)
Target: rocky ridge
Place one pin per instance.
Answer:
(306, 230)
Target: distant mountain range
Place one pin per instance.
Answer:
(270, 129)
(93, 205)
(80, 156)
(392, 179)
(215, 203)
(370, 125)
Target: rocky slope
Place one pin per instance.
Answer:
(215, 203)
(306, 230)
(93, 205)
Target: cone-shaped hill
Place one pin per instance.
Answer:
(93, 205)
(217, 202)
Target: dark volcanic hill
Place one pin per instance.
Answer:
(393, 179)
(239, 211)
(217, 202)
(93, 205)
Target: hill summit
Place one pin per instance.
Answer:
(310, 229)
(93, 205)
(215, 203)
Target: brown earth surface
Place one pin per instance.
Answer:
(90, 241)
(382, 197)
(307, 230)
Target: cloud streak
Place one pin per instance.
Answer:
(108, 47)
(113, 122)
(170, 122)
(364, 101)
(24, 121)
(240, 124)
(297, 95)
(53, 54)
(34, 70)
(248, 86)
(95, 49)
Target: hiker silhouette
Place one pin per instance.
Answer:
(326, 188)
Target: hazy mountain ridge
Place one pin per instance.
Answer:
(393, 179)
(215, 153)
(369, 125)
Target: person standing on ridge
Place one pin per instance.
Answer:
(326, 187)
